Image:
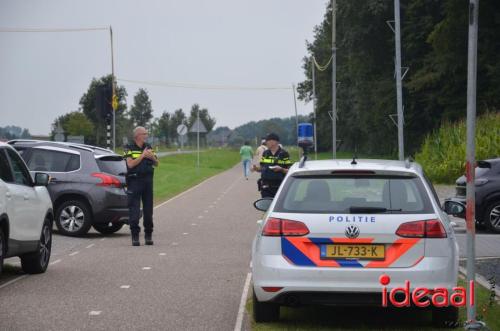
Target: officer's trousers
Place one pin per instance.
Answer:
(140, 188)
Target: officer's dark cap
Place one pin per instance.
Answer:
(272, 136)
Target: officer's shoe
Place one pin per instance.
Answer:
(148, 238)
(135, 239)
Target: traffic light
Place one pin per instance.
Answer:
(103, 100)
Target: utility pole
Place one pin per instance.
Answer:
(198, 138)
(313, 69)
(472, 323)
(113, 87)
(399, 91)
(296, 116)
(334, 79)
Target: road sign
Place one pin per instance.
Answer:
(182, 130)
(76, 139)
(198, 127)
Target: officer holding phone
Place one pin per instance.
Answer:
(141, 160)
(273, 166)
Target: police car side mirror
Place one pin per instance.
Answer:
(263, 204)
(454, 208)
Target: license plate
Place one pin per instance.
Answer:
(355, 251)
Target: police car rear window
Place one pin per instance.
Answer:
(351, 194)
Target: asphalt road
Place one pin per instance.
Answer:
(191, 279)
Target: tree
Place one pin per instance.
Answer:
(141, 111)
(164, 126)
(74, 124)
(434, 47)
(205, 117)
(177, 118)
(87, 106)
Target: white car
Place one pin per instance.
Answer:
(25, 213)
(336, 227)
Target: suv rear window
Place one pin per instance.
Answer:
(354, 194)
(53, 161)
(114, 165)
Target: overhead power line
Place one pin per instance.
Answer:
(53, 29)
(204, 86)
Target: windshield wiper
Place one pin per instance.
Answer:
(367, 210)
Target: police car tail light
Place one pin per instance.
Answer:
(107, 180)
(276, 227)
(422, 229)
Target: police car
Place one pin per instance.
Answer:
(336, 226)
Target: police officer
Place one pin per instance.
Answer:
(140, 159)
(273, 166)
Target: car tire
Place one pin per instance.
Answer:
(2, 249)
(265, 311)
(107, 228)
(37, 262)
(492, 217)
(445, 317)
(73, 218)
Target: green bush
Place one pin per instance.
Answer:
(443, 152)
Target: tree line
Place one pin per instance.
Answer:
(87, 122)
(434, 47)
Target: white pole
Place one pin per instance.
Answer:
(113, 87)
(313, 69)
(399, 90)
(198, 137)
(334, 79)
(471, 324)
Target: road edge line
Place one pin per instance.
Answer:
(241, 310)
(13, 281)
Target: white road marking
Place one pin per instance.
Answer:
(95, 312)
(103, 239)
(13, 281)
(162, 254)
(193, 224)
(90, 246)
(125, 286)
(185, 233)
(175, 244)
(74, 253)
(201, 216)
(241, 310)
(146, 268)
(54, 262)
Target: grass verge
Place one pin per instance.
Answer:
(360, 318)
(177, 173)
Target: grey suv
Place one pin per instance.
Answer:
(87, 185)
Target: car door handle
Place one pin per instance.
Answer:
(53, 180)
(7, 194)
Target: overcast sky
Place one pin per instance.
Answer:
(214, 42)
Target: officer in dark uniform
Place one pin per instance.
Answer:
(273, 166)
(140, 159)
